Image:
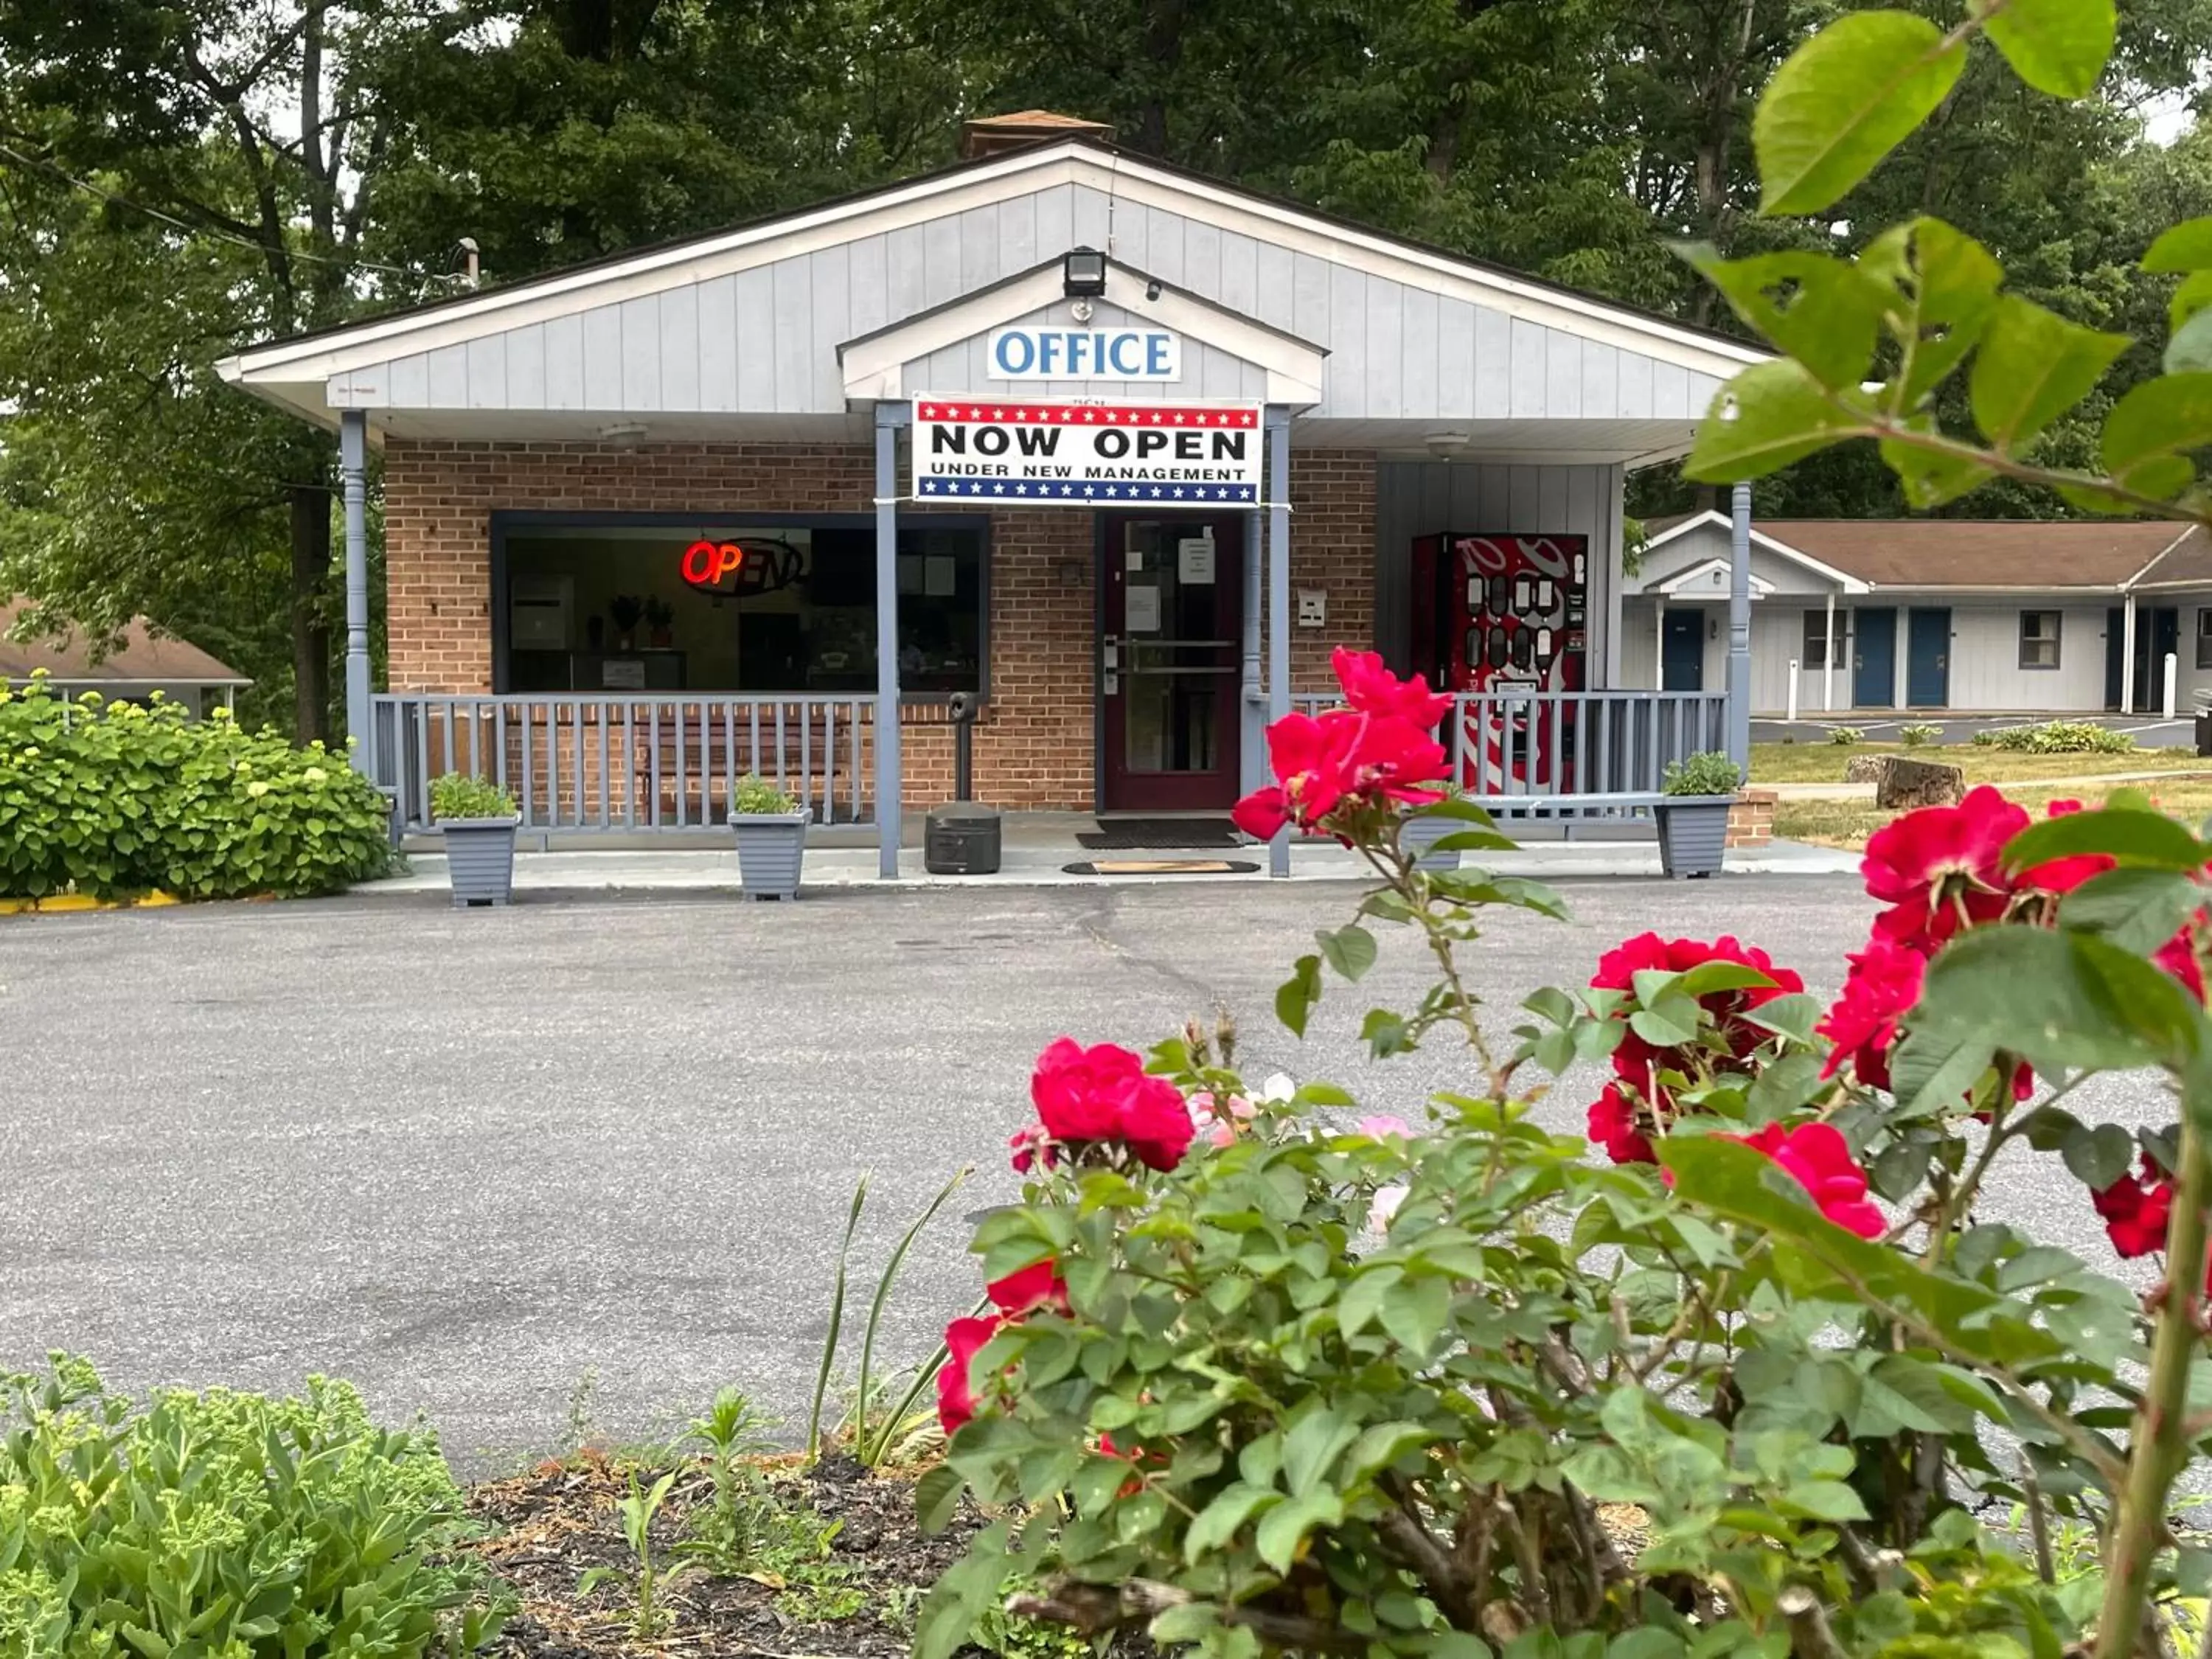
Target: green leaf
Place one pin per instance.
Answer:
(1932, 476)
(1824, 1500)
(936, 1496)
(1768, 416)
(2097, 1157)
(2032, 366)
(1350, 949)
(2063, 1001)
(2190, 346)
(2149, 425)
(2137, 908)
(1311, 1446)
(2184, 247)
(1363, 1299)
(961, 1595)
(1382, 1445)
(1944, 286)
(2139, 838)
(1844, 99)
(1823, 311)
(1218, 1521)
(1287, 1525)
(2057, 46)
(1296, 996)
(1413, 1312)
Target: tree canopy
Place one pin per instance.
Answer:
(179, 178)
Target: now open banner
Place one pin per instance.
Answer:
(1086, 454)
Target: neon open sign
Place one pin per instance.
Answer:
(739, 567)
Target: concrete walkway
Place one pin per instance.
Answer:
(1038, 856)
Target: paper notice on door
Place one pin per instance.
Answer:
(1141, 614)
(939, 576)
(1194, 560)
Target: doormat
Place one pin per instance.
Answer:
(1162, 867)
(1130, 835)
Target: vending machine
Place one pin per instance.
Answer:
(1506, 616)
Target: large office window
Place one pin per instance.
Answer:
(616, 603)
(2039, 638)
(2205, 637)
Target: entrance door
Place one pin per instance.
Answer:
(2116, 653)
(1170, 632)
(1928, 660)
(2158, 633)
(1682, 651)
(1873, 658)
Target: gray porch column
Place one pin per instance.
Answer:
(890, 807)
(1738, 657)
(1279, 596)
(1251, 701)
(353, 475)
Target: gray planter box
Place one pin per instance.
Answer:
(771, 847)
(480, 859)
(1420, 832)
(1693, 834)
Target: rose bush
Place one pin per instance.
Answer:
(1756, 1377)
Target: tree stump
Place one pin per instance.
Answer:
(1864, 768)
(1902, 783)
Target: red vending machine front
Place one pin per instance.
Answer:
(1506, 615)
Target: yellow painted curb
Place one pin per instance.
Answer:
(62, 904)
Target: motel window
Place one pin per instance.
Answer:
(2039, 638)
(1816, 652)
(638, 602)
(2204, 638)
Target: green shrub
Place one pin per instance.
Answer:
(1845, 736)
(2064, 738)
(1985, 740)
(755, 797)
(457, 795)
(1710, 774)
(1920, 734)
(111, 798)
(229, 1526)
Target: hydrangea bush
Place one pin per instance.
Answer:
(1751, 1370)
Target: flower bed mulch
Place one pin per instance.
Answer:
(551, 1526)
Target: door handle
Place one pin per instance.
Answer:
(1941, 661)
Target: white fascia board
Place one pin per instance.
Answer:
(1018, 173)
(1845, 581)
(873, 365)
(1760, 587)
(2141, 578)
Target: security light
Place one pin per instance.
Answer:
(1445, 444)
(1083, 273)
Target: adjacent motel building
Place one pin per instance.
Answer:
(1121, 449)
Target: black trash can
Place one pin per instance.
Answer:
(961, 838)
(2204, 734)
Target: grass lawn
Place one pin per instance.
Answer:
(1823, 762)
(1849, 823)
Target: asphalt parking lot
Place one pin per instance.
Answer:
(472, 1160)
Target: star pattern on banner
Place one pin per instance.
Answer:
(1166, 416)
(1044, 489)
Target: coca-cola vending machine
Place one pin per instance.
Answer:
(1505, 614)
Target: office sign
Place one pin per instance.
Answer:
(1083, 454)
(1085, 353)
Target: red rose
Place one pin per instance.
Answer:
(1818, 1159)
(1261, 814)
(2064, 875)
(1321, 761)
(1027, 1289)
(956, 1394)
(1372, 688)
(2135, 1209)
(1883, 986)
(1077, 1090)
(1613, 1126)
(1940, 868)
(1156, 1123)
(2177, 956)
(1637, 1059)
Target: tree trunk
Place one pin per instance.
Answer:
(310, 628)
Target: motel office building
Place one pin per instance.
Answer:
(676, 515)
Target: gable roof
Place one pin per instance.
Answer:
(143, 658)
(1079, 157)
(1660, 531)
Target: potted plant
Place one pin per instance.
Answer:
(1695, 796)
(771, 831)
(659, 621)
(478, 818)
(625, 610)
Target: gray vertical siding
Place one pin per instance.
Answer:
(765, 339)
(1425, 498)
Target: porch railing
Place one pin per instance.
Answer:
(1571, 754)
(582, 764)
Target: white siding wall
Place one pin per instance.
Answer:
(1984, 655)
(765, 339)
(1426, 498)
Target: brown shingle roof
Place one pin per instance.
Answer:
(1987, 553)
(141, 657)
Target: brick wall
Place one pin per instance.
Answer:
(1035, 746)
